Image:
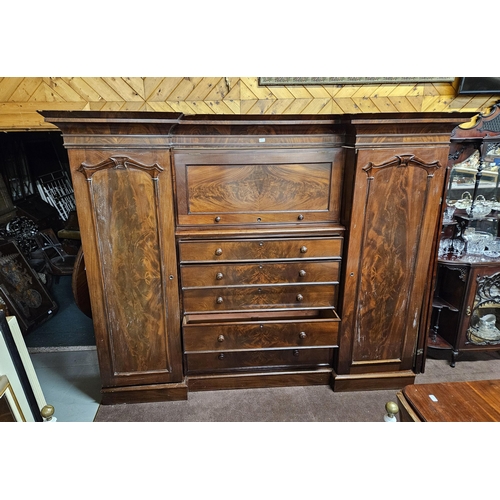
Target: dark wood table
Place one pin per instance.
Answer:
(477, 401)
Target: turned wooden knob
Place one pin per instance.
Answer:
(303, 249)
(220, 338)
(218, 251)
(220, 300)
(219, 276)
(302, 335)
(302, 273)
(47, 411)
(300, 297)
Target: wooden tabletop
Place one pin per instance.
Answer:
(477, 401)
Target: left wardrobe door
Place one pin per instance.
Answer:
(125, 211)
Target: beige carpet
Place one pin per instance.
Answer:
(296, 404)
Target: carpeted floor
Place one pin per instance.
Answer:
(296, 404)
(69, 327)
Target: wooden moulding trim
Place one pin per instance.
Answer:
(372, 381)
(144, 393)
(103, 141)
(258, 380)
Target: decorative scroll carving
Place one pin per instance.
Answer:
(401, 161)
(119, 162)
(485, 126)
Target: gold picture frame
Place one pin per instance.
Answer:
(10, 410)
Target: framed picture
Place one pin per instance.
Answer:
(21, 289)
(350, 80)
(10, 411)
(22, 387)
(479, 85)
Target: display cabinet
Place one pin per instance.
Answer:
(466, 305)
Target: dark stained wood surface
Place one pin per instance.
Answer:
(476, 401)
(269, 190)
(260, 249)
(265, 186)
(247, 335)
(260, 273)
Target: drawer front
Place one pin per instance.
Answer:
(259, 273)
(258, 187)
(260, 335)
(264, 359)
(269, 297)
(260, 249)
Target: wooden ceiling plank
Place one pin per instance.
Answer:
(200, 107)
(261, 92)
(279, 106)
(318, 91)
(318, 106)
(299, 92)
(246, 105)
(260, 107)
(347, 105)
(122, 88)
(383, 104)
(8, 87)
(151, 83)
(233, 105)
(204, 88)
(281, 93)
(366, 105)
(402, 104)
(133, 106)
(221, 107)
(25, 89)
(137, 84)
(159, 106)
(164, 89)
(183, 89)
(298, 106)
(83, 89)
(103, 89)
(220, 90)
(245, 93)
(67, 93)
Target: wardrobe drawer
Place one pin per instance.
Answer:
(279, 359)
(259, 297)
(259, 273)
(260, 249)
(251, 335)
